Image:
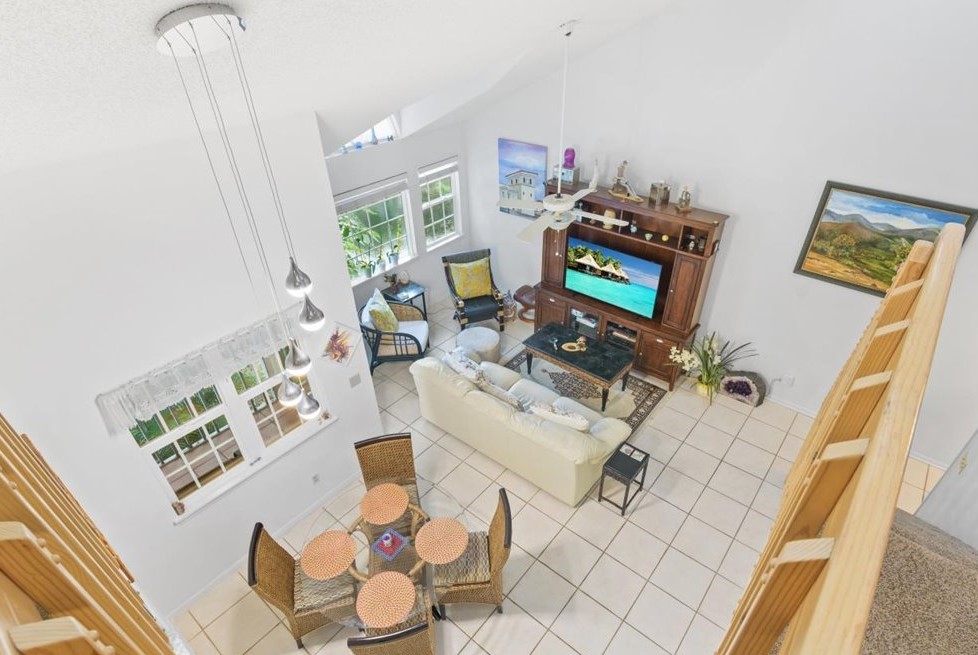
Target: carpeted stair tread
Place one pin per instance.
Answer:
(926, 600)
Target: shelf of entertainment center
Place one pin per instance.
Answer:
(672, 246)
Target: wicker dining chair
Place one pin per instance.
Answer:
(307, 604)
(390, 458)
(418, 639)
(477, 576)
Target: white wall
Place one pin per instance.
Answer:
(364, 167)
(757, 104)
(114, 265)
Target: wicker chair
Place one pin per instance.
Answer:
(477, 576)
(418, 639)
(480, 308)
(390, 458)
(306, 603)
(408, 344)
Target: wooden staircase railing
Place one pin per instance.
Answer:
(52, 554)
(814, 583)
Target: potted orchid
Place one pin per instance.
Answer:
(709, 360)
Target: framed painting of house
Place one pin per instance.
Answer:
(859, 236)
(522, 173)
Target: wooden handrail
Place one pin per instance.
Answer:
(834, 617)
(845, 481)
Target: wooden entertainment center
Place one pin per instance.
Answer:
(685, 244)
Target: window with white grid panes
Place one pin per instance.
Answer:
(259, 382)
(206, 436)
(371, 232)
(439, 207)
(190, 442)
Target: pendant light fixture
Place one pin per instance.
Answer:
(190, 32)
(311, 318)
(297, 363)
(290, 392)
(308, 407)
(297, 283)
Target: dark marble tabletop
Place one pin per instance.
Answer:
(600, 360)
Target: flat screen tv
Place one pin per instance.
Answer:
(611, 276)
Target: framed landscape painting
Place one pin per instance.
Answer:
(859, 237)
(522, 173)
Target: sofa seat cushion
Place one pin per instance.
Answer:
(313, 595)
(500, 375)
(417, 329)
(530, 392)
(481, 306)
(471, 568)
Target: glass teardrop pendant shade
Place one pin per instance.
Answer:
(308, 407)
(297, 363)
(297, 283)
(311, 318)
(289, 393)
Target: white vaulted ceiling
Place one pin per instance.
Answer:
(78, 78)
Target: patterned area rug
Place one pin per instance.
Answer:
(633, 405)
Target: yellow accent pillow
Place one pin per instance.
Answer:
(381, 313)
(472, 279)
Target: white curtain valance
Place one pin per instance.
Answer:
(142, 397)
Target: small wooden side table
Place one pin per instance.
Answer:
(407, 293)
(625, 465)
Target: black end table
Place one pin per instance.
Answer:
(407, 293)
(625, 465)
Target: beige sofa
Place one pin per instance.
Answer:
(560, 460)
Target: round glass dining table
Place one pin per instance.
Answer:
(433, 521)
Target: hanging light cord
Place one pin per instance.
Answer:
(563, 104)
(256, 128)
(236, 173)
(210, 163)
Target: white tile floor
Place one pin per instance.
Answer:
(663, 579)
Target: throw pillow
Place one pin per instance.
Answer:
(559, 416)
(498, 392)
(381, 313)
(471, 280)
(464, 366)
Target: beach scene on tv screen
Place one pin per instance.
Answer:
(614, 277)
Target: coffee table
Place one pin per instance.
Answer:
(601, 364)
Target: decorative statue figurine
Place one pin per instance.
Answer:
(619, 184)
(569, 156)
(621, 189)
(685, 202)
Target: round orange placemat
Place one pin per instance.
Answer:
(328, 555)
(441, 541)
(386, 599)
(384, 504)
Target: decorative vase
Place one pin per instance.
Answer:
(403, 278)
(703, 389)
(392, 258)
